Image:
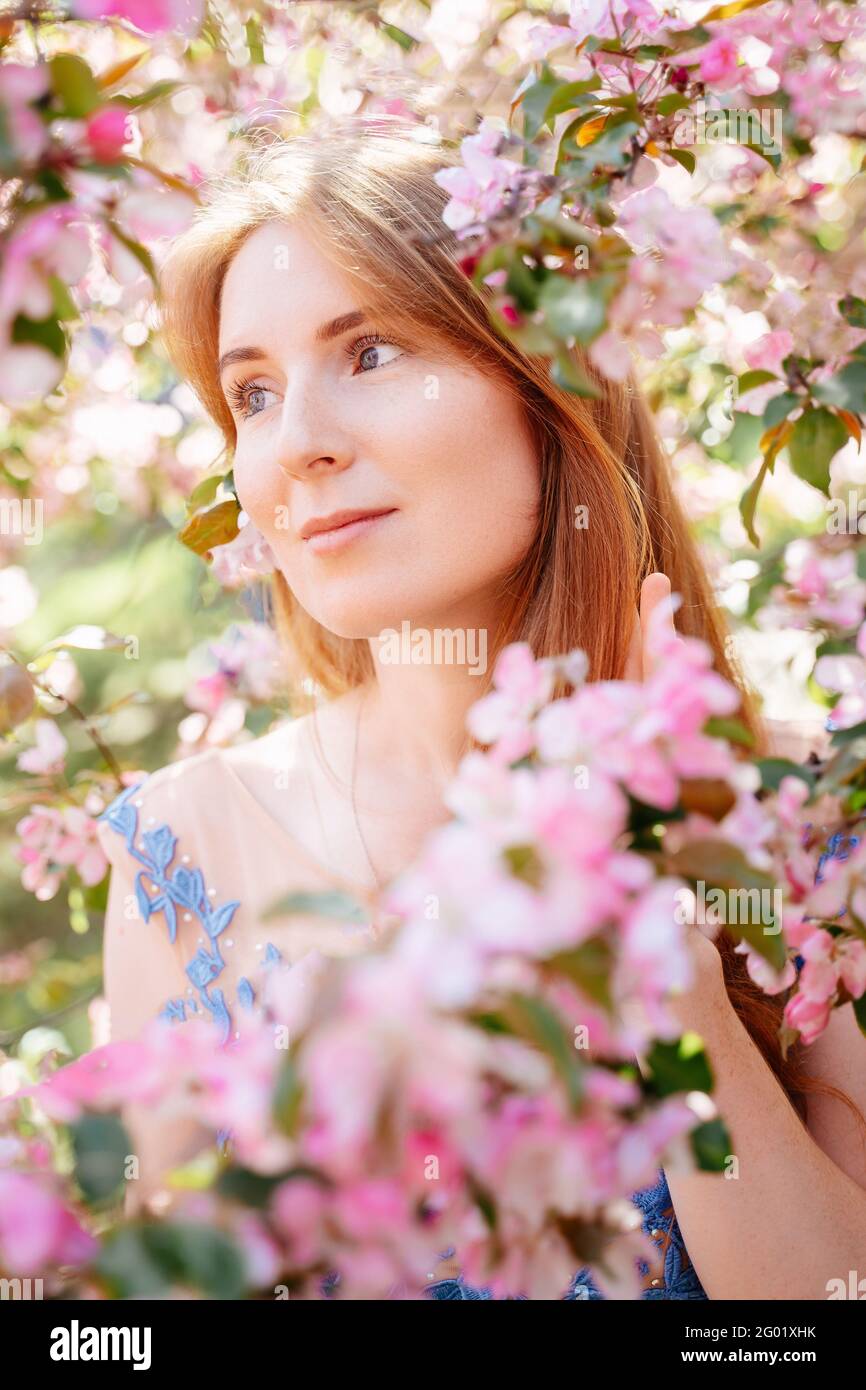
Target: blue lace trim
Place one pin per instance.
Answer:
(183, 888)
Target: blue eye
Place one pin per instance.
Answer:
(372, 351)
(240, 396)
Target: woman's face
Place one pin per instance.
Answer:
(335, 420)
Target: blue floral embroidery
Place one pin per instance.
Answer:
(838, 847)
(184, 889)
(659, 1222)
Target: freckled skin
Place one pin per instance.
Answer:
(434, 438)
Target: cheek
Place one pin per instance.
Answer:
(482, 477)
(261, 489)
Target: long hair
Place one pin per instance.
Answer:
(370, 199)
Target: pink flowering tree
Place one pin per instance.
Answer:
(674, 191)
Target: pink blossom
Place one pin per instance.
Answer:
(520, 686)
(150, 16)
(42, 243)
(243, 560)
(809, 1016)
(299, 1207)
(37, 1230)
(828, 579)
(107, 131)
(22, 84)
(847, 675)
(49, 755)
(690, 252)
(52, 841)
(765, 977)
(103, 1078)
(480, 186)
(851, 960)
(767, 353)
(719, 60)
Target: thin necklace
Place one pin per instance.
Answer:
(376, 877)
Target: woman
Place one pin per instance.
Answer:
(408, 465)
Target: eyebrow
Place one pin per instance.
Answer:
(324, 334)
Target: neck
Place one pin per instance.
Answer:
(426, 679)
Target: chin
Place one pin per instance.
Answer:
(356, 616)
(366, 612)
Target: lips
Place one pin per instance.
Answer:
(332, 532)
(318, 525)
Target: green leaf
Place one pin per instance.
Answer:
(339, 907)
(147, 98)
(681, 1065)
(711, 1146)
(75, 85)
(742, 444)
(627, 101)
(204, 492)
(731, 729)
(100, 1146)
(859, 1007)
(288, 1098)
(255, 1190)
(779, 408)
(609, 149)
(853, 310)
(846, 390)
(773, 770)
(575, 308)
(214, 525)
(749, 499)
(674, 101)
(567, 375)
(406, 41)
(524, 283)
(817, 437)
(249, 1189)
(44, 333)
(535, 101)
(534, 1020)
(549, 97)
(52, 185)
(843, 736)
(135, 248)
(749, 380)
(685, 158)
(152, 1260)
(589, 966)
(64, 305)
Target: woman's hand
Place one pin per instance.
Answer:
(655, 589)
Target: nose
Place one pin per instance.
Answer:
(311, 440)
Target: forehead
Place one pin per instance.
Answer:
(281, 276)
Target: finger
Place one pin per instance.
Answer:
(654, 590)
(634, 660)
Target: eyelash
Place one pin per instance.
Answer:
(236, 394)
